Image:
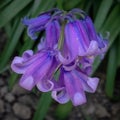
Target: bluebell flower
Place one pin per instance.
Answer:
(37, 69)
(36, 24)
(72, 86)
(69, 45)
(82, 40)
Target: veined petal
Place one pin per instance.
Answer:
(45, 85)
(27, 54)
(39, 68)
(90, 28)
(86, 64)
(74, 88)
(28, 83)
(60, 96)
(36, 21)
(71, 39)
(16, 65)
(103, 44)
(82, 33)
(41, 44)
(21, 64)
(63, 59)
(93, 83)
(32, 29)
(52, 33)
(92, 49)
(89, 84)
(36, 24)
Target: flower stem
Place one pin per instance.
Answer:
(61, 39)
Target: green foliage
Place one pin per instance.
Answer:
(11, 10)
(43, 105)
(63, 111)
(102, 13)
(111, 71)
(106, 17)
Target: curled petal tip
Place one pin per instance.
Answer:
(45, 85)
(93, 83)
(61, 97)
(79, 99)
(16, 65)
(27, 83)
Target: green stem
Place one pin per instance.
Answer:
(61, 39)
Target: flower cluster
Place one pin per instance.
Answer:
(64, 58)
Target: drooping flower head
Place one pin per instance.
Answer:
(68, 47)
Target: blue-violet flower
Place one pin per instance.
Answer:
(68, 47)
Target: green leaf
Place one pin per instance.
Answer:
(3, 3)
(36, 5)
(102, 13)
(114, 30)
(12, 10)
(12, 80)
(8, 29)
(114, 14)
(118, 51)
(60, 4)
(71, 4)
(111, 71)
(4, 58)
(44, 6)
(63, 111)
(43, 105)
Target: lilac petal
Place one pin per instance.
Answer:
(59, 93)
(60, 96)
(41, 44)
(77, 40)
(71, 39)
(32, 29)
(82, 34)
(16, 65)
(38, 20)
(52, 33)
(90, 28)
(37, 70)
(59, 84)
(69, 68)
(40, 69)
(74, 88)
(89, 84)
(27, 54)
(92, 49)
(36, 24)
(63, 59)
(93, 83)
(27, 83)
(87, 68)
(45, 85)
(93, 35)
(86, 64)
(21, 64)
(19, 60)
(103, 44)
